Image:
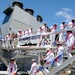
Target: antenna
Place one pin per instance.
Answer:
(8, 4)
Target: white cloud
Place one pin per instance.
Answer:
(67, 9)
(65, 13)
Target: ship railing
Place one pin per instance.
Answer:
(63, 65)
(9, 43)
(42, 38)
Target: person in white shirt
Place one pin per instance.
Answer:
(53, 35)
(60, 52)
(61, 35)
(44, 28)
(39, 31)
(71, 24)
(27, 33)
(34, 67)
(19, 33)
(12, 67)
(8, 41)
(3, 42)
(30, 31)
(69, 42)
(50, 30)
(48, 58)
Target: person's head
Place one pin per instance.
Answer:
(55, 26)
(73, 20)
(8, 33)
(45, 24)
(19, 30)
(59, 44)
(48, 50)
(69, 31)
(40, 27)
(33, 60)
(31, 28)
(63, 22)
(13, 34)
(12, 60)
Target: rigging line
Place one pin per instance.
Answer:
(7, 5)
(11, 2)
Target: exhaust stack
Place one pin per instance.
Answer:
(39, 18)
(17, 3)
(30, 11)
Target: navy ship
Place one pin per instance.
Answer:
(28, 47)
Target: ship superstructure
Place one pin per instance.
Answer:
(19, 18)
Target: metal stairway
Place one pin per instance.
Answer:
(63, 65)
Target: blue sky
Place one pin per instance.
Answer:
(52, 11)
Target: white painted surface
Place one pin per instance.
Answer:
(3, 72)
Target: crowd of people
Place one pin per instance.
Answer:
(60, 50)
(51, 54)
(10, 41)
(53, 35)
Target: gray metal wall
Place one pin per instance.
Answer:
(20, 19)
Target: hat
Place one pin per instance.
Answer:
(45, 22)
(48, 50)
(59, 44)
(69, 30)
(73, 18)
(12, 59)
(19, 29)
(55, 24)
(33, 60)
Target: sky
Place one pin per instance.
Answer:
(52, 11)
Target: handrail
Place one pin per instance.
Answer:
(63, 65)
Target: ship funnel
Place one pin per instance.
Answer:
(39, 18)
(30, 11)
(17, 3)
